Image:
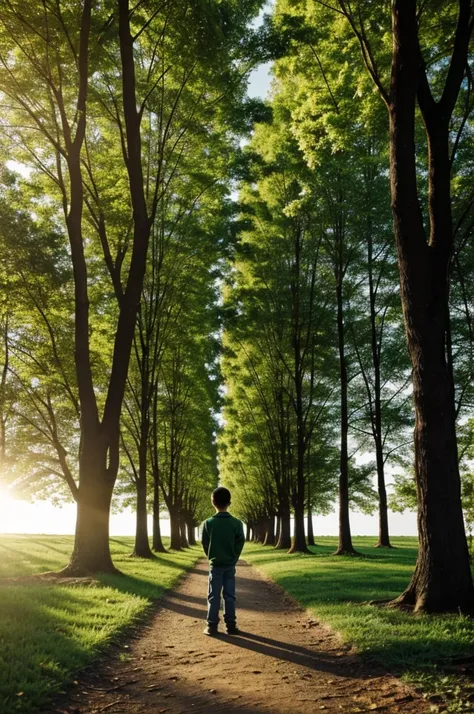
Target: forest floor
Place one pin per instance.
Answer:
(284, 661)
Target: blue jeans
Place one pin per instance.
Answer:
(221, 580)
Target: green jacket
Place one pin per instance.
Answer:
(223, 539)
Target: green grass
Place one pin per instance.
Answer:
(337, 590)
(49, 632)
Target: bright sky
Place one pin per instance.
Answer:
(42, 517)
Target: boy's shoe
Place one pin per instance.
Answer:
(211, 629)
(233, 630)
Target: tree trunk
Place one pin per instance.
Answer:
(183, 529)
(262, 530)
(442, 579)
(247, 535)
(158, 546)
(278, 529)
(384, 537)
(299, 541)
(3, 390)
(91, 552)
(298, 544)
(310, 527)
(175, 530)
(270, 531)
(142, 545)
(345, 546)
(284, 539)
(191, 531)
(310, 516)
(258, 536)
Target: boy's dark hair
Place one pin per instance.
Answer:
(221, 496)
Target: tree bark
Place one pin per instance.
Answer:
(175, 530)
(345, 546)
(142, 544)
(278, 529)
(310, 527)
(442, 579)
(284, 539)
(384, 537)
(183, 529)
(158, 546)
(260, 530)
(3, 383)
(298, 544)
(91, 553)
(191, 531)
(270, 531)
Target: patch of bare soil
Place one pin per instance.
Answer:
(49, 578)
(284, 662)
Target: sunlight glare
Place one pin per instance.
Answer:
(41, 517)
(19, 516)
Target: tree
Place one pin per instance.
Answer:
(194, 182)
(278, 345)
(442, 579)
(39, 392)
(381, 414)
(63, 126)
(341, 140)
(123, 84)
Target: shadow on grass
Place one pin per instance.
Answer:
(132, 585)
(46, 636)
(337, 591)
(146, 582)
(17, 561)
(63, 552)
(50, 631)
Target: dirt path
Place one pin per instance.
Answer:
(284, 663)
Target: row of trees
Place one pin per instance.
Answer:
(317, 368)
(125, 119)
(321, 374)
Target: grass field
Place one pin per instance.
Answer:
(336, 590)
(49, 632)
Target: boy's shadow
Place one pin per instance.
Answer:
(292, 653)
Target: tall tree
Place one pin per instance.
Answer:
(442, 579)
(279, 336)
(124, 84)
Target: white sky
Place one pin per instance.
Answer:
(42, 517)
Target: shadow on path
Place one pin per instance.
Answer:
(284, 662)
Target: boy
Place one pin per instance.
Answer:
(222, 539)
